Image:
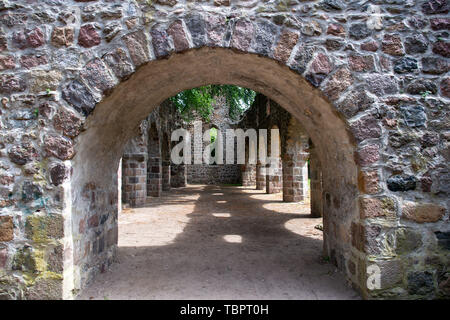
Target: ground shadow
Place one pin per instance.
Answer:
(230, 245)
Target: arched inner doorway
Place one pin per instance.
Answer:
(98, 150)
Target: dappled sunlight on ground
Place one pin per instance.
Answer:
(210, 242)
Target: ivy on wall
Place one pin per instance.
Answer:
(200, 101)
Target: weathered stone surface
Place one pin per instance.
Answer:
(216, 27)
(392, 44)
(332, 5)
(377, 207)
(419, 86)
(31, 191)
(242, 35)
(45, 80)
(408, 240)
(303, 56)
(401, 183)
(321, 64)
(46, 289)
(6, 229)
(111, 30)
(366, 127)
(137, 45)
(368, 155)
(167, 2)
(434, 65)
(31, 61)
(24, 260)
(29, 38)
(422, 212)
(445, 87)
(44, 228)
(382, 84)
(333, 44)
(359, 31)
(429, 139)
(404, 65)
(435, 6)
(68, 122)
(285, 45)
(355, 101)
(88, 36)
(338, 83)
(370, 46)
(361, 63)
(176, 31)
(197, 26)
(336, 30)
(63, 37)
(58, 173)
(11, 83)
(420, 282)
(79, 97)
(440, 23)
(265, 37)
(416, 44)
(311, 28)
(391, 272)
(59, 147)
(3, 258)
(160, 41)
(443, 239)
(22, 154)
(442, 48)
(98, 76)
(7, 62)
(414, 116)
(369, 182)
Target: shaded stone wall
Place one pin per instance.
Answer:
(369, 83)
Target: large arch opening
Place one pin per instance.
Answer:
(93, 188)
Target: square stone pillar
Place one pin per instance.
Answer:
(178, 175)
(248, 175)
(274, 177)
(154, 177)
(260, 177)
(134, 179)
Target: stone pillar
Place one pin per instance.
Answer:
(248, 172)
(274, 179)
(134, 179)
(260, 176)
(166, 175)
(154, 177)
(295, 178)
(316, 185)
(178, 175)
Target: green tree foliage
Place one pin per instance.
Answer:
(200, 101)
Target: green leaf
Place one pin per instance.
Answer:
(200, 101)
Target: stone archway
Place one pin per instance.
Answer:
(132, 100)
(79, 94)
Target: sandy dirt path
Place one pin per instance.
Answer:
(219, 242)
